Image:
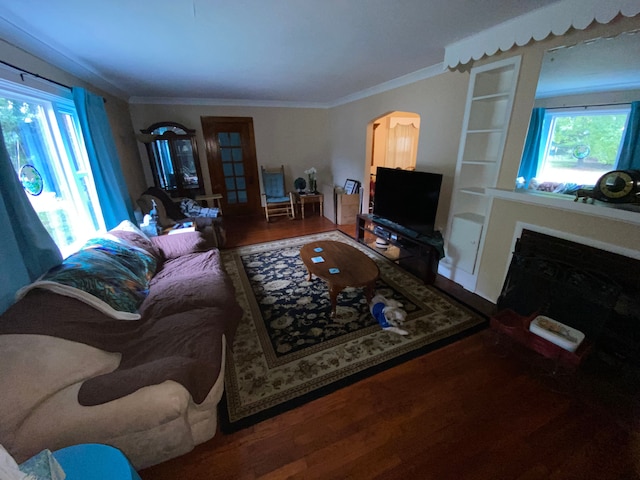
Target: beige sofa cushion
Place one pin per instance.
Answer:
(37, 366)
(142, 410)
(150, 425)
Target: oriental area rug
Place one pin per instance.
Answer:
(288, 350)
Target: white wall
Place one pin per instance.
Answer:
(294, 137)
(440, 103)
(335, 140)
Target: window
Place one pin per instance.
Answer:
(578, 145)
(45, 144)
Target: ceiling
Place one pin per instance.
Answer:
(316, 52)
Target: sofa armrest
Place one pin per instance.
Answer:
(173, 246)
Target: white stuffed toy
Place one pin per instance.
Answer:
(388, 313)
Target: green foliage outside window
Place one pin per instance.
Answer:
(600, 133)
(12, 115)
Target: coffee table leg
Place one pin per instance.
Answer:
(333, 295)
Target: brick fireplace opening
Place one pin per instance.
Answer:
(590, 289)
(594, 291)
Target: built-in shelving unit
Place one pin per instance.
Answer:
(484, 131)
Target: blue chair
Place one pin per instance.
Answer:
(277, 201)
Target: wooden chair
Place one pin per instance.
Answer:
(277, 201)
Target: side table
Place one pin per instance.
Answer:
(215, 199)
(302, 199)
(180, 228)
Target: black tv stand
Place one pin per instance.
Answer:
(417, 253)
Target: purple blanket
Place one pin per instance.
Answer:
(190, 306)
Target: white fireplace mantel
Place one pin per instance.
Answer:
(623, 213)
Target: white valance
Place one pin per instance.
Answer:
(414, 122)
(554, 19)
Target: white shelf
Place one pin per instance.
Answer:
(492, 96)
(486, 119)
(473, 191)
(486, 130)
(623, 213)
(494, 78)
(472, 217)
(478, 162)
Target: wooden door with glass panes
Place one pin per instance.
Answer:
(231, 156)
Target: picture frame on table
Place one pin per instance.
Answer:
(351, 186)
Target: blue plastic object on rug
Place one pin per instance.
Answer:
(92, 461)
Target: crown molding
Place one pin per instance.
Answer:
(47, 52)
(220, 102)
(422, 74)
(413, 77)
(554, 19)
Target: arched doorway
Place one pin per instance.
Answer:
(393, 144)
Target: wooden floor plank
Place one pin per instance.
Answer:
(470, 410)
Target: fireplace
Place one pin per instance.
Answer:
(592, 290)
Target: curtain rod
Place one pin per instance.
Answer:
(23, 71)
(40, 77)
(588, 106)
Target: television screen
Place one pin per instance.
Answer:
(408, 198)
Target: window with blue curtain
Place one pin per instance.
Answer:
(27, 250)
(46, 151)
(60, 176)
(531, 152)
(568, 148)
(630, 150)
(104, 161)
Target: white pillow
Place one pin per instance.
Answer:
(128, 226)
(9, 468)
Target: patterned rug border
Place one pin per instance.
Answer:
(325, 384)
(272, 359)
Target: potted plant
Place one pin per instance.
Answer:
(312, 179)
(300, 184)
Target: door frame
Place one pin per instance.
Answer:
(216, 174)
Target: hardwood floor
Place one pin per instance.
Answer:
(471, 410)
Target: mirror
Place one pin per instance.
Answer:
(582, 105)
(603, 69)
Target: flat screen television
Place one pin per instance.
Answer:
(407, 198)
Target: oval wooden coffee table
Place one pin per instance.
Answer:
(355, 268)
